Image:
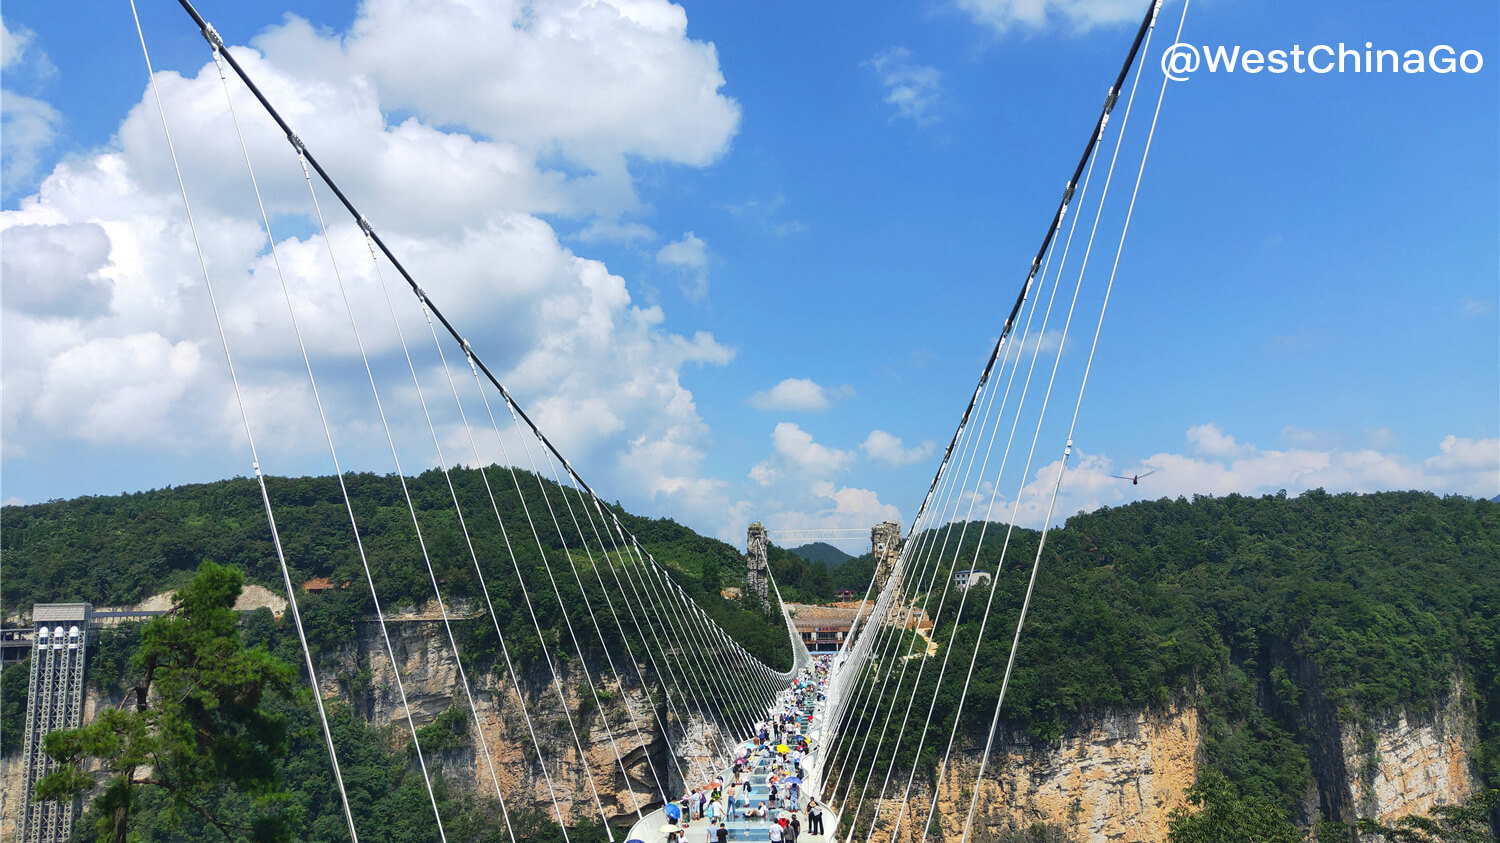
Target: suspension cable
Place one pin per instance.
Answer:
(328, 437)
(1067, 451)
(286, 576)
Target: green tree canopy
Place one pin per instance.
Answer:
(192, 727)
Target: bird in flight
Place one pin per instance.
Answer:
(1135, 479)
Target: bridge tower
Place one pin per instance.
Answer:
(54, 702)
(757, 566)
(885, 546)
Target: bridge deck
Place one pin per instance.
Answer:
(757, 774)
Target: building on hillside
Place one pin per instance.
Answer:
(970, 578)
(846, 594)
(54, 702)
(823, 628)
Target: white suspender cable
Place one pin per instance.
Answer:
(562, 609)
(624, 639)
(925, 570)
(665, 680)
(635, 722)
(1068, 448)
(672, 686)
(431, 574)
(521, 579)
(484, 586)
(677, 627)
(957, 548)
(1005, 457)
(338, 471)
(260, 479)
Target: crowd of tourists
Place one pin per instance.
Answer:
(776, 752)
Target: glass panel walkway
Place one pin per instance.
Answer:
(800, 712)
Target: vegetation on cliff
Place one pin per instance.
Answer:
(219, 741)
(1276, 614)
(117, 550)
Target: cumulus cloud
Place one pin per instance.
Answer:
(886, 448)
(826, 505)
(108, 335)
(688, 255)
(614, 231)
(797, 447)
(1217, 464)
(914, 89)
(28, 126)
(54, 269)
(1002, 16)
(799, 394)
(595, 83)
(1210, 441)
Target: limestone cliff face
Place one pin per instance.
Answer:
(1119, 778)
(1116, 780)
(10, 795)
(1409, 764)
(615, 750)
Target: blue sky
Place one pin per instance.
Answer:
(648, 226)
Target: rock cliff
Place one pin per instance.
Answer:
(1119, 778)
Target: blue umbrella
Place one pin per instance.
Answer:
(791, 780)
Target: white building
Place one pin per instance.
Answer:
(972, 577)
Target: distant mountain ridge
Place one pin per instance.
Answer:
(822, 552)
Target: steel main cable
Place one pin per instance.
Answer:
(211, 36)
(1067, 451)
(1084, 161)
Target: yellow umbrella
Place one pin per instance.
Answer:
(783, 748)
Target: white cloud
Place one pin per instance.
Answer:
(1219, 465)
(914, 89)
(118, 389)
(689, 255)
(593, 82)
(614, 231)
(107, 332)
(799, 394)
(798, 448)
(28, 127)
(1210, 441)
(887, 448)
(1461, 455)
(54, 269)
(13, 45)
(1004, 15)
(824, 505)
(17, 53)
(765, 213)
(764, 474)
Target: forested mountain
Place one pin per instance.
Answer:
(1277, 616)
(1274, 615)
(116, 550)
(822, 552)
